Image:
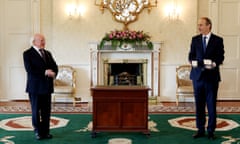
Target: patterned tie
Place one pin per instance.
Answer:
(204, 44)
(43, 54)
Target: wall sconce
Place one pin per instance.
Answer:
(74, 10)
(173, 10)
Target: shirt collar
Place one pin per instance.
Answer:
(36, 48)
(208, 35)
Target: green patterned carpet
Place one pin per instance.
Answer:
(78, 130)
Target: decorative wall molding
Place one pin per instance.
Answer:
(35, 16)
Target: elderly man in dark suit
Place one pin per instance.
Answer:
(206, 54)
(41, 70)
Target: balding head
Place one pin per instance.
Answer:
(38, 40)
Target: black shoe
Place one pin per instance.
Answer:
(198, 135)
(38, 137)
(48, 136)
(211, 136)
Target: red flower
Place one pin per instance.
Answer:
(118, 37)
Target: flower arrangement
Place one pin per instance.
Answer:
(119, 37)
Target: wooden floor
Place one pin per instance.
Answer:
(219, 103)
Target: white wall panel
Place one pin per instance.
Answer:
(229, 14)
(17, 84)
(229, 86)
(17, 16)
(16, 44)
(226, 16)
(168, 83)
(231, 47)
(17, 25)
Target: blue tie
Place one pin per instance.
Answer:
(204, 43)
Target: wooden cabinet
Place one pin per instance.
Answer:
(120, 109)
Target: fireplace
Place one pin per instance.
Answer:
(125, 72)
(126, 67)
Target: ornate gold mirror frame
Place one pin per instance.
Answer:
(125, 11)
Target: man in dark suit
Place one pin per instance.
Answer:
(206, 54)
(41, 70)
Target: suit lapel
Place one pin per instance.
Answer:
(37, 54)
(200, 48)
(210, 43)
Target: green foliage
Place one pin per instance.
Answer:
(118, 38)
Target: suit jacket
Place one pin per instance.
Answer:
(214, 51)
(37, 81)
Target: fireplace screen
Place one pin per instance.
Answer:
(125, 73)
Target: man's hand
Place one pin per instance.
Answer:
(209, 64)
(194, 63)
(50, 73)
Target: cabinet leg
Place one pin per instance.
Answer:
(147, 134)
(94, 134)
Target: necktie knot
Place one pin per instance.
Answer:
(205, 38)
